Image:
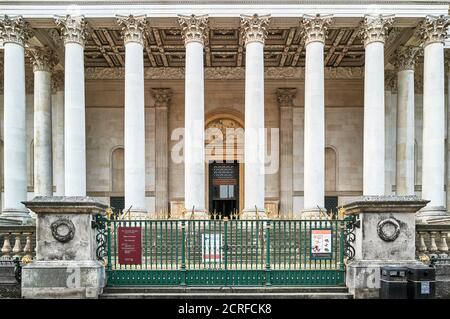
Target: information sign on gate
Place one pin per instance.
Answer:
(321, 244)
(212, 247)
(130, 246)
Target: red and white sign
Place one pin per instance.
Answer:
(130, 245)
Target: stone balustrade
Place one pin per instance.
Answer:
(432, 241)
(17, 241)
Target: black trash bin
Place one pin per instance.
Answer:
(393, 282)
(421, 282)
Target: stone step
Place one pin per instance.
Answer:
(154, 292)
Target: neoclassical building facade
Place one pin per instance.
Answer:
(279, 108)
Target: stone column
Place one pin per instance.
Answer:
(254, 33)
(58, 154)
(285, 97)
(433, 31)
(405, 62)
(162, 100)
(15, 32)
(447, 64)
(193, 31)
(43, 62)
(314, 30)
(73, 30)
(133, 28)
(373, 31)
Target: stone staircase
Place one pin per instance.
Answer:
(160, 292)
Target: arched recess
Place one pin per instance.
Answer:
(331, 174)
(117, 166)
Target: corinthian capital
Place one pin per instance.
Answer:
(253, 28)
(314, 28)
(193, 28)
(14, 30)
(133, 28)
(73, 29)
(162, 96)
(406, 57)
(433, 29)
(285, 96)
(43, 58)
(374, 28)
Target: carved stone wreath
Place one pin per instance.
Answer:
(63, 230)
(388, 229)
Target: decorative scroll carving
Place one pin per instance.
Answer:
(193, 28)
(314, 28)
(223, 124)
(15, 30)
(43, 58)
(73, 29)
(254, 28)
(162, 96)
(224, 73)
(374, 28)
(433, 29)
(133, 28)
(285, 96)
(406, 57)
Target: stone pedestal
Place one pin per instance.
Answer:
(66, 265)
(385, 236)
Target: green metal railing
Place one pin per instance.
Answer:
(225, 252)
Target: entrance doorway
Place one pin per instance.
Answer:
(224, 188)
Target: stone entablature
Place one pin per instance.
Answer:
(224, 73)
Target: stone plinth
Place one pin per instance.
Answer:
(385, 236)
(66, 265)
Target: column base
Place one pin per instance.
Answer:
(432, 214)
(253, 214)
(311, 213)
(18, 215)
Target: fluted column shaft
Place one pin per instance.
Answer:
(254, 33)
(373, 31)
(162, 99)
(194, 116)
(14, 33)
(43, 61)
(405, 62)
(433, 30)
(74, 33)
(314, 28)
(133, 32)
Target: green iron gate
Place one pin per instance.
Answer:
(224, 252)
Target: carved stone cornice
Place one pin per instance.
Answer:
(254, 28)
(226, 73)
(73, 29)
(390, 80)
(162, 97)
(14, 29)
(58, 81)
(406, 57)
(374, 28)
(43, 58)
(314, 28)
(133, 28)
(433, 29)
(285, 96)
(193, 28)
